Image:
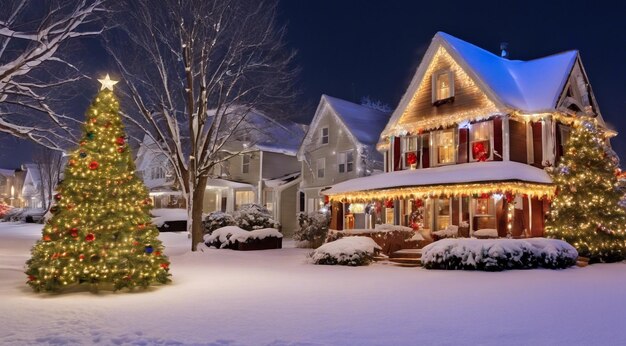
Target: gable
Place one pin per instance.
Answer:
(577, 96)
(325, 116)
(469, 98)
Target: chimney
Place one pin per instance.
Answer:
(504, 50)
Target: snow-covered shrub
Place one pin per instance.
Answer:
(554, 253)
(389, 237)
(254, 216)
(313, 229)
(230, 236)
(217, 219)
(349, 251)
(498, 254)
(24, 214)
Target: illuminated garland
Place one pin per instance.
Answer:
(544, 191)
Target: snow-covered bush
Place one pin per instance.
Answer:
(349, 251)
(30, 215)
(254, 216)
(313, 229)
(498, 254)
(230, 236)
(217, 219)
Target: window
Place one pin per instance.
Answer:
(410, 153)
(157, 173)
(345, 161)
(243, 198)
(245, 163)
(302, 201)
(314, 204)
(321, 167)
(442, 210)
(444, 147)
(565, 134)
(443, 86)
(480, 141)
(324, 135)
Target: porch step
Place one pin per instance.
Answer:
(407, 253)
(406, 261)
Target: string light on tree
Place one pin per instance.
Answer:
(585, 211)
(100, 232)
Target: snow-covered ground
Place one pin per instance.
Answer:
(274, 297)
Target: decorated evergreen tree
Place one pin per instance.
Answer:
(585, 212)
(100, 232)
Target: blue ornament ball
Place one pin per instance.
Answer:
(149, 249)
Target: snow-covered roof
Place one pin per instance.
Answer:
(7, 172)
(364, 123)
(273, 183)
(530, 86)
(452, 174)
(275, 135)
(218, 182)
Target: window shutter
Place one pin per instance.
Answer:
(462, 156)
(425, 151)
(517, 141)
(397, 163)
(559, 145)
(537, 144)
(497, 138)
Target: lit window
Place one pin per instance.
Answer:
(443, 86)
(324, 135)
(321, 168)
(480, 141)
(444, 147)
(269, 200)
(345, 161)
(443, 213)
(410, 154)
(242, 198)
(245, 163)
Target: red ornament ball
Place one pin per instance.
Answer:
(90, 237)
(120, 140)
(120, 150)
(81, 257)
(74, 232)
(72, 162)
(58, 196)
(31, 278)
(46, 238)
(93, 165)
(165, 265)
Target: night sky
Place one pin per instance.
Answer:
(351, 49)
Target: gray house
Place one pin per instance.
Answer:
(340, 145)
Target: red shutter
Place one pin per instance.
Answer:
(537, 144)
(462, 156)
(425, 151)
(559, 145)
(397, 164)
(497, 138)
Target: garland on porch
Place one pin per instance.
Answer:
(541, 191)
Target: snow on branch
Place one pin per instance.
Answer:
(35, 68)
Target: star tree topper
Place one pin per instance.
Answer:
(107, 83)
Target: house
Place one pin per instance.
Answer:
(260, 167)
(11, 182)
(465, 149)
(340, 145)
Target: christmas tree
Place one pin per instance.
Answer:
(585, 212)
(100, 232)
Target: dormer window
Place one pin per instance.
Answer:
(324, 135)
(443, 87)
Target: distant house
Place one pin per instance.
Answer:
(263, 169)
(11, 182)
(32, 188)
(467, 144)
(340, 145)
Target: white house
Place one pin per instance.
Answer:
(340, 145)
(264, 170)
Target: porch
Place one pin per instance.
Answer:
(483, 200)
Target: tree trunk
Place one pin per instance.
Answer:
(197, 226)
